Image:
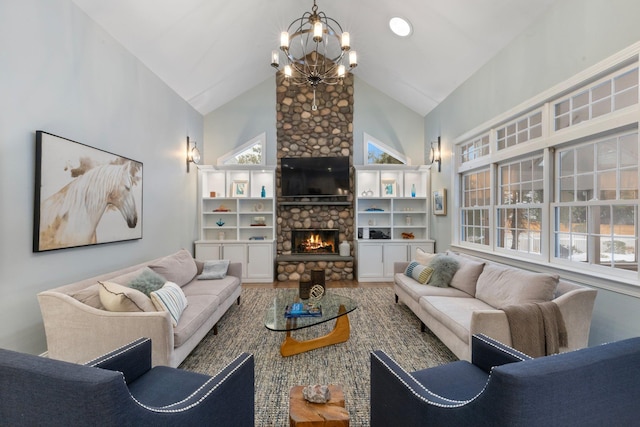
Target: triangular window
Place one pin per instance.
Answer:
(249, 153)
(379, 153)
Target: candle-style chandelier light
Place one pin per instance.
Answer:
(315, 49)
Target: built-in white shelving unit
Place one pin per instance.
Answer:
(392, 218)
(237, 218)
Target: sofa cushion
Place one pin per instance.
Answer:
(147, 281)
(423, 257)
(444, 267)
(415, 290)
(214, 269)
(89, 295)
(502, 286)
(170, 298)
(199, 266)
(454, 313)
(418, 272)
(222, 288)
(199, 310)
(115, 297)
(467, 274)
(179, 268)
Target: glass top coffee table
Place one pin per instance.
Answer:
(334, 306)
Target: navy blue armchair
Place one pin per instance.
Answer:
(122, 389)
(594, 386)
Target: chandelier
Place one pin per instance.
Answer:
(314, 48)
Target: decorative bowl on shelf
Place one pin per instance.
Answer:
(220, 222)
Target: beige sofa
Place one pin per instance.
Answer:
(78, 327)
(471, 303)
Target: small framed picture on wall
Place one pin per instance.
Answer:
(440, 202)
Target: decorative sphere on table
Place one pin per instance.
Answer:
(316, 292)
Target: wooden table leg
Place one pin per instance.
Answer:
(340, 333)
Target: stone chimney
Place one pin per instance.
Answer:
(303, 132)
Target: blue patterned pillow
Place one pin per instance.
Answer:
(420, 273)
(170, 298)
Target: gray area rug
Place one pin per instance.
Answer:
(377, 323)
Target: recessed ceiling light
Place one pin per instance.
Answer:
(400, 26)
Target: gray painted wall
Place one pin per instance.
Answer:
(572, 36)
(241, 120)
(386, 120)
(63, 74)
(253, 112)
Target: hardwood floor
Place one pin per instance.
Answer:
(328, 284)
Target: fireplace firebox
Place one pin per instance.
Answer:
(314, 241)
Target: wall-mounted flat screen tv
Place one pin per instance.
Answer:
(314, 176)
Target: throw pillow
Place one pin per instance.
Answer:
(444, 267)
(170, 298)
(216, 269)
(179, 268)
(467, 274)
(420, 273)
(501, 286)
(115, 297)
(199, 266)
(147, 281)
(423, 257)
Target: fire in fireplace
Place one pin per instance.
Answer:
(314, 241)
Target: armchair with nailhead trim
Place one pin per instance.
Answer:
(121, 389)
(594, 386)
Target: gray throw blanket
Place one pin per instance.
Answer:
(537, 329)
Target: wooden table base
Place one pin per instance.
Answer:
(340, 333)
(306, 414)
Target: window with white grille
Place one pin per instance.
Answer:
(601, 98)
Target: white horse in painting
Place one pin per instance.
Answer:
(70, 216)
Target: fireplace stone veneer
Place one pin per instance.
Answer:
(304, 132)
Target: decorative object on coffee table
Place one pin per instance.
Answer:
(316, 393)
(317, 284)
(304, 413)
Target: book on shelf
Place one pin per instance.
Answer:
(303, 309)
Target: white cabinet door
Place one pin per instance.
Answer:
(393, 252)
(370, 261)
(260, 261)
(207, 251)
(234, 252)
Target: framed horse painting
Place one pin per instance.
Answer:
(83, 195)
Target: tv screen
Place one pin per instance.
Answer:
(315, 176)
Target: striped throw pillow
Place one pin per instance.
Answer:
(420, 273)
(170, 298)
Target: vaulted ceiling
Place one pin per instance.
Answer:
(210, 51)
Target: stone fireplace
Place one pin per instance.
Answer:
(304, 132)
(314, 241)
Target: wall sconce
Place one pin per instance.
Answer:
(436, 154)
(193, 154)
